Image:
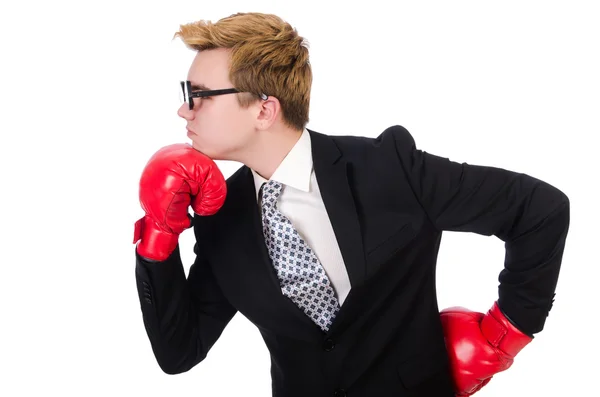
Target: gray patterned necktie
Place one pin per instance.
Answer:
(301, 275)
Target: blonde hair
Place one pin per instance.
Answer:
(267, 56)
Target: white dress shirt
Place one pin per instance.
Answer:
(301, 203)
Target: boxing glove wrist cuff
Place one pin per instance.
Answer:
(154, 243)
(501, 333)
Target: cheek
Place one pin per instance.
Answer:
(244, 119)
(227, 120)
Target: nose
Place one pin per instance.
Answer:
(185, 112)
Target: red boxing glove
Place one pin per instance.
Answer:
(174, 178)
(479, 346)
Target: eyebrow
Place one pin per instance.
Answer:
(199, 87)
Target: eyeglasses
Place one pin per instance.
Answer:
(189, 95)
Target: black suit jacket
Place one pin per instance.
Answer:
(388, 203)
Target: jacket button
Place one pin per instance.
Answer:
(329, 345)
(339, 393)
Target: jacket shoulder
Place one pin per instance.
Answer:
(395, 135)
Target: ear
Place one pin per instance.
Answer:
(269, 110)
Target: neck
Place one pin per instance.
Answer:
(268, 150)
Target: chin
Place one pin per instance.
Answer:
(196, 146)
(199, 148)
(212, 154)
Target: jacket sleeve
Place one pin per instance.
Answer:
(530, 216)
(183, 317)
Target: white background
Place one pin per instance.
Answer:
(89, 90)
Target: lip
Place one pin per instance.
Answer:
(190, 133)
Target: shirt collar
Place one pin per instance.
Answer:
(295, 169)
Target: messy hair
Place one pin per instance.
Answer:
(267, 56)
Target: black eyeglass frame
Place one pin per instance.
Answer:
(206, 93)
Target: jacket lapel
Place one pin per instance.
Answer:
(332, 173)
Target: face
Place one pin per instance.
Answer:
(217, 126)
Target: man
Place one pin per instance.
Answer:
(328, 244)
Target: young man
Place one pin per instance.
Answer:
(328, 244)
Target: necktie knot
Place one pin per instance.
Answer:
(270, 193)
